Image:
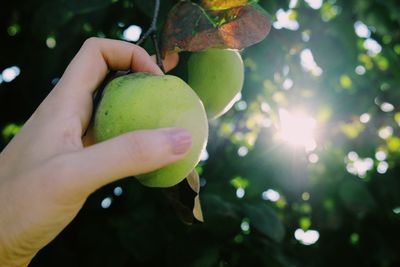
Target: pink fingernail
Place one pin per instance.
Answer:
(181, 141)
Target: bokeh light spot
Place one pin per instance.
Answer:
(387, 107)
(354, 238)
(238, 239)
(313, 158)
(293, 3)
(308, 237)
(271, 195)
(305, 36)
(358, 166)
(396, 210)
(118, 191)
(240, 192)
(204, 155)
(245, 226)
(382, 167)
(51, 42)
(287, 84)
(243, 151)
(380, 155)
(9, 74)
(13, 29)
(314, 4)
(365, 118)
(11, 130)
(305, 223)
(372, 46)
(106, 203)
(305, 196)
(285, 19)
(132, 33)
(308, 63)
(362, 30)
(241, 105)
(360, 70)
(385, 132)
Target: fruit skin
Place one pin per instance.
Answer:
(144, 101)
(217, 76)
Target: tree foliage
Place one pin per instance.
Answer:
(338, 62)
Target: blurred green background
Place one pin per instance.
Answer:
(303, 171)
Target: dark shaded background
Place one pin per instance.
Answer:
(356, 215)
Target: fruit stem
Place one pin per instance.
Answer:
(152, 32)
(158, 53)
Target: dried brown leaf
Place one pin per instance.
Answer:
(189, 27)
(222, 4)
(197, 211)
(184, 197)
(194, 181)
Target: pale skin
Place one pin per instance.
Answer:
(49, 169)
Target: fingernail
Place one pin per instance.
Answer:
(159, 72)
(181, 141)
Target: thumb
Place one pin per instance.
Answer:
(126, 155)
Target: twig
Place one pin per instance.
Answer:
(158, 53)
(153, 26)
(152, 32)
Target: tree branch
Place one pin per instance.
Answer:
(152, 32)
(153, 26)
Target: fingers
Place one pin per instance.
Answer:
(97, 56)
(88, 139)
(73, 94)
(170, 62)
(126, 155)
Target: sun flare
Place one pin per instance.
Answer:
(297, 129)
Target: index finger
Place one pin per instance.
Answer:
(97, 56)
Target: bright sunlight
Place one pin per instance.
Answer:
(297, 129)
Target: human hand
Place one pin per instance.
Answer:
(47, 171)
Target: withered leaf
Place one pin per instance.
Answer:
(184, 198)
(223, 4)
(197, 211)
(194, 183)
(189, 27)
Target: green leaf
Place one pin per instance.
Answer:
(305, 223)
(11, 130)
(356, 196)
(220, 216)
(397, 49)
(352, 130)
(239, 182)
(208, 258)
(345, 81)
(393, 144)
(265, 220)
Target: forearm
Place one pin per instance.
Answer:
(12, 252)
(13, 256)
